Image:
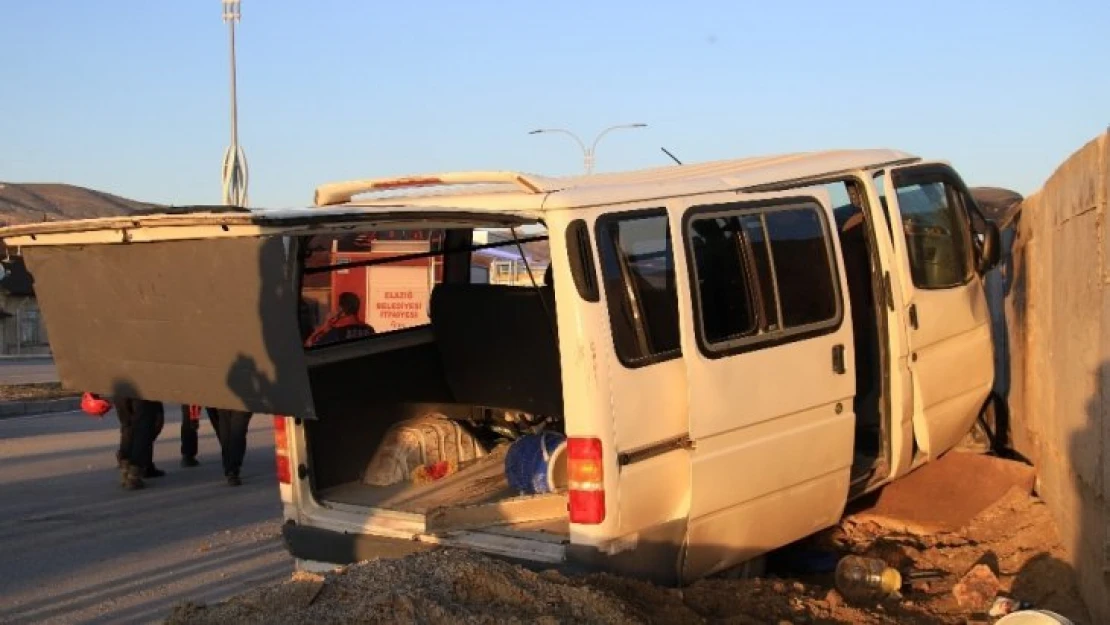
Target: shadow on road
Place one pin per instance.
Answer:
(78, 548)
(141, 584)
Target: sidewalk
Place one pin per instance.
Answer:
(24, 408)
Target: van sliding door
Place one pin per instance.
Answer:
(210, 321)
(770, 374)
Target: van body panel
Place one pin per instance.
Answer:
(653, 405)
(758, 526)
(770, 457)
(653, 491)
(947, 322)
(755, 415)
(952, 396)
(150, 320)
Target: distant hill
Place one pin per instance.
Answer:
(22, 203)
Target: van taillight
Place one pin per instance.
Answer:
(585, 481)
(281, 451)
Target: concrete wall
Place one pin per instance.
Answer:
(1058, 312)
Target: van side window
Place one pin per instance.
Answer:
(799, 246)
(936, 229)
(755, 230)
(499, 261)
(880, 189)
(761, 274)
(729, 306)
(637, 266)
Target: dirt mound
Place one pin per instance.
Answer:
(449, 586)
(442, 586)
(1015, 538)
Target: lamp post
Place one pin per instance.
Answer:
(587, 152)
(235, 173)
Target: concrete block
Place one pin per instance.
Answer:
(1074, 188)
(1066, 358)
(1103, 201)
(1076, 354)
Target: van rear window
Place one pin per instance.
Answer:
(637, 265)
(362, 284)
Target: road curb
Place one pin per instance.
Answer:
(9, 409)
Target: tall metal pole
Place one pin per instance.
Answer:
(587, 152)
(235, 172)
(234, 95)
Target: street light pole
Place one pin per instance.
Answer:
(587, 152)
(235, 173)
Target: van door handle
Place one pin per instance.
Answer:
(913, 316)
(839, 367)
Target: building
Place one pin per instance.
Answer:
(22, 331)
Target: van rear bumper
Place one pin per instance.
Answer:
(313, 543)
(656, 558)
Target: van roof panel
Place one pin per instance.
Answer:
(522, 191)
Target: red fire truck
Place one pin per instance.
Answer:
(395, 294)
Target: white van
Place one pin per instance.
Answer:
(732, 350)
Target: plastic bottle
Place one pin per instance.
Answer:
(866, 579)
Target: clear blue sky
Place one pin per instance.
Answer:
(131, 97)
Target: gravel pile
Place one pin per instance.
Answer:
(1015, 539)
(448, 586)
(442, 586)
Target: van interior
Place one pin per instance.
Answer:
(476, 370)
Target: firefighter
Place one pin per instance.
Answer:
(190, 427)
(140, 422)
(231, 429)
(344, 325)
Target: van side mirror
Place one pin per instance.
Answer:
(990, 248)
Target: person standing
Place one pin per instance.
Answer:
(190, 428)
(141, 422)
(231, 428)
(344, 325)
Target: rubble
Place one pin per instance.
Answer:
(977, 589)
(1010, 548)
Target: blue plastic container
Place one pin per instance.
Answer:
(530, 463)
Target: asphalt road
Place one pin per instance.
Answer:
(27, 371)
(75, 547)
